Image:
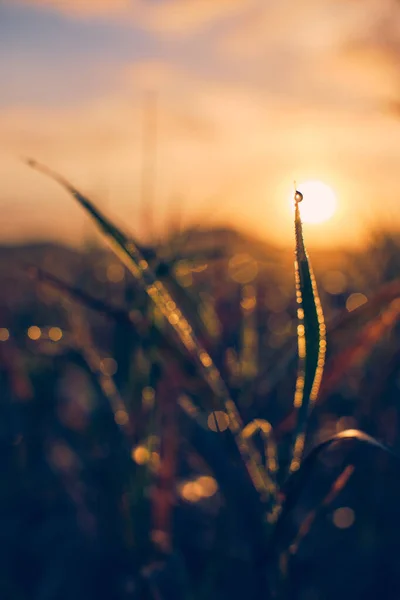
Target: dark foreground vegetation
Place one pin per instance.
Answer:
(123, 472)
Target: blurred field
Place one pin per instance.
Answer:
(190, 411)
(117, 478)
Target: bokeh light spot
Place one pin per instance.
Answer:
(355, 301)
(4, 334)
(205, 359)
(34, 332)
(55, 334)
(108, 366)
(218, 421)
(243, 268)
(208, 486)
(148, 397)
(191, 491)
(343, 517)
(249, 303)
(121, 417)
(140, 455)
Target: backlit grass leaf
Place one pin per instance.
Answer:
(131, 255)
(311, 340)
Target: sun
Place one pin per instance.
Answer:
(319, 201)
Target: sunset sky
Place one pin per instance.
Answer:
(252, 94)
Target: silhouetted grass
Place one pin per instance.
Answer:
(174, 466)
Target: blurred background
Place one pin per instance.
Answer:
(245, 97)
(187, 122)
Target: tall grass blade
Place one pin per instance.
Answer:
(311, 333)
(366, 325)
(130, 254)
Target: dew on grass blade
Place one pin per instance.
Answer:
(311, 335)
(131, 256)
(298, 197)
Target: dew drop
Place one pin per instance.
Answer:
(298, 197)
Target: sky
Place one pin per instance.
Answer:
(247, 96)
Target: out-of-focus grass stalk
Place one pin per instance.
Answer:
(311, 334)
(85, 345)
(163, 494)
(130, 254)
(137, 322)
(289, 538)
(249, 354)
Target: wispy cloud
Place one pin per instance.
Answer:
(165, 16)
(321, 52)
(81, 8)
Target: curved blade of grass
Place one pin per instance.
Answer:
(337, 486)
(192, 309)
(365, 325)
(270, 450)
(307, 523)
(231, 476)
(311, 340)
(86, 347)
(298, 481)
(129, 253)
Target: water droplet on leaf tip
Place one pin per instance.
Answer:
(298, 196)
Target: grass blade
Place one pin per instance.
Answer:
(311, 340)
(288, 535)
(130, 254)
(270, 450)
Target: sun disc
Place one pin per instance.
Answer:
(319, 201)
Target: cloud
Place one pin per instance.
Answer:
(163, 17)
(81, 8)
(177, 16)
(342, 54)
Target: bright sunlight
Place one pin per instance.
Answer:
(319, 201)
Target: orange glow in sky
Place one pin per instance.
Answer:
(244, 106)
(319, 202)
